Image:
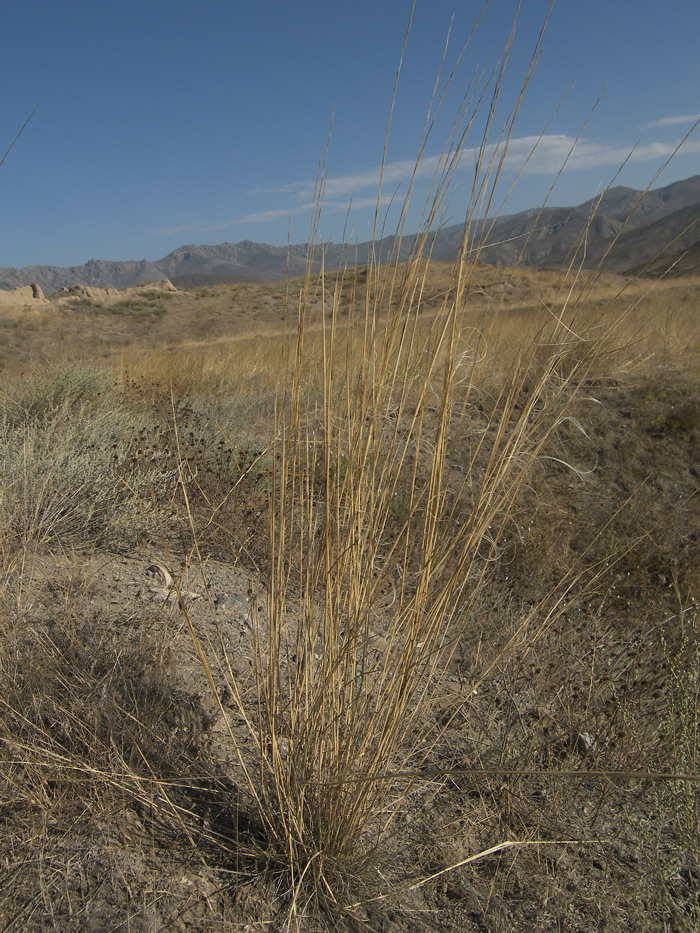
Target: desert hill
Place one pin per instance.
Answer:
(674, 263)
(624, 229)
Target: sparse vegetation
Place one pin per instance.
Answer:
(378, 603)
(546, 674)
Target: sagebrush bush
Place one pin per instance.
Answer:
(60, 385)
(71, 466)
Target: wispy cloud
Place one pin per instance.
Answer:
(258, 217)
(533, 155)
(676, 121)
(528, 155)
(280, 213)
(552, 152)
(171, 231)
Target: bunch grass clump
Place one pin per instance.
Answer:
(393, 488)
(383, 532)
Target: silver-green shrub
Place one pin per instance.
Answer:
(71, 467)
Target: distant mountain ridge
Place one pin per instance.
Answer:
(665, 221)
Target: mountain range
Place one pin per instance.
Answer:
(625, 230)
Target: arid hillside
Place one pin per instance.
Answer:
(89, 323)
(623, 229)
(357, 602)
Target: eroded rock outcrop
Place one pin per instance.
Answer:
(108, 296)
(25, 295)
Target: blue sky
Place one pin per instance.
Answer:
(164, 123)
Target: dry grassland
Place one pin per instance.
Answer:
(322, 607)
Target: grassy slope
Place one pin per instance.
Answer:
(89, 742)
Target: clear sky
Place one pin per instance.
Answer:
(164, 122)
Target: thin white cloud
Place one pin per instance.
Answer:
(676, 121)
(170, 231)
(529, 155)
(281, 213)
(534, 155)
(553, 151)
(259, 217)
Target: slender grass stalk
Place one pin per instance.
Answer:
(378, 544)
(394, 480)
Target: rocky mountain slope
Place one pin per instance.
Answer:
(623, 229)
